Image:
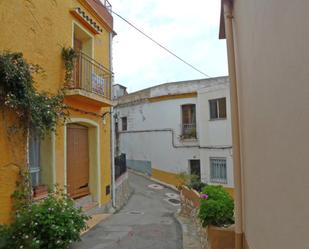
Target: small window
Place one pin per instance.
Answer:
(195, 168)
(188, 121)
(34, 158)
(124, 123)
(218, 172)
(217, 108)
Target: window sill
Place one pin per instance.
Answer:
(191, 139)
(224, 182)
(217, 119)
(40, 192)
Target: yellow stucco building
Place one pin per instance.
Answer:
(78, 154)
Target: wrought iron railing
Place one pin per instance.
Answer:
(91, 76)
(120, 165)
(189, 130)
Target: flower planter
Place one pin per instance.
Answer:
(221, 237)
(40, 192)
(211, 237)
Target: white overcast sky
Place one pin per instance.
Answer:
(188, 28)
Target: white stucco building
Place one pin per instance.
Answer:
(178, 127)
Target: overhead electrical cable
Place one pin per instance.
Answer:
(160, 45)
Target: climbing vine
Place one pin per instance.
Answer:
(22, 196)
(39, 111)
(68, 55)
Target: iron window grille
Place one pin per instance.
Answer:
(188, 121)
(218, 170)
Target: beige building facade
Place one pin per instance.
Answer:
(268, 65)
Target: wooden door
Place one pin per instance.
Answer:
(77, 160)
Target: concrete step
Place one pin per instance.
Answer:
(86, 204)
(89, 206)
(80, 202)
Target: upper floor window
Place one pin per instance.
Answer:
(34, 158)
(218, 171)
(217, 108)
(188, 121)
(124, 123)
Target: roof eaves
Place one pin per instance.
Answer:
(222, 21)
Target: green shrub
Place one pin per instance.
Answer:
(217, 206)
(191, 181)
(39, 111)
(51, 223)
(196, 183)
(183, 179)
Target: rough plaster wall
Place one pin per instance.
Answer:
(185, 87)
(173, 88)
(272, 65)
(40, 29)
(214, 132)
(156, 146)
(157, 115)
(205, 156)
(12, 159)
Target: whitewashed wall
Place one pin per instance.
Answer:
(156, 146)
(214, 132)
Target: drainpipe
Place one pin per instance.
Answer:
(112, 125)
(113, 157)
(228, 19)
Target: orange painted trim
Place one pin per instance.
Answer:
(88, 98)
(165, 176)
(83, 22)
(174, 96)
(230, 191)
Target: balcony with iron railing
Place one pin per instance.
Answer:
(189, 131)
(91, 81)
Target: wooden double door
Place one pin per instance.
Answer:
(77, 160)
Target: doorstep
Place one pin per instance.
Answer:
(93, 210)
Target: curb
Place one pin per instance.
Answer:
(117, 210)
(188, 241)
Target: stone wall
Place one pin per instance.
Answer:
(190, 203)
(123, 191)
(210, 237)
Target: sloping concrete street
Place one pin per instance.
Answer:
(146, 222)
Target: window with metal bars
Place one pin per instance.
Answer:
(218, 171)
(188, 121)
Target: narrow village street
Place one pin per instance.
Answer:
(146, 222)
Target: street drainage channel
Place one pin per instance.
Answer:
(173, 199)
(155, 186)
(174, 202)
(136, 212)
